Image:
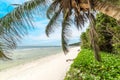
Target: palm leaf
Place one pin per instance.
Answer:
(79, 21)
(52, 23)
(2, 54)
(52, 8)
(16, 24)
(94, 44)
(65, 32)
(94, 37)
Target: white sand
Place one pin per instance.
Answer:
(49, 68)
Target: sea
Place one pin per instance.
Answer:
(25, 54)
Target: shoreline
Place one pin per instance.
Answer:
(7, 64)
(21, 63)
(53, 67)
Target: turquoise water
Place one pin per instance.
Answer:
(26, 54)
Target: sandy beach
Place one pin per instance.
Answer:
(49, 68)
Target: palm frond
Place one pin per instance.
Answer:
(94, 44)
(52, 8)
(17, 23)
(2, 54)
(81, 15)
(52, 23)
(79, 21)
(65, 31)
(94, 37)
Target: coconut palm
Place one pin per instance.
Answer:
(73, 11)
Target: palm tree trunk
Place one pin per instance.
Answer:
(108, 9)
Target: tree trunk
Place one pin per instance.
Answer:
(108, 9)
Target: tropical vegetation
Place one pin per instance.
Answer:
(15, 25)
(85, 67)
(108, 31)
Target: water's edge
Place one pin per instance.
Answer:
(25, 55)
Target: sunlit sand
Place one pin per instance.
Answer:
(49, 68)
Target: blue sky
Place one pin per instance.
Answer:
(37, 36)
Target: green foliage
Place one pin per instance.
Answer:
(103, 24)
(116, 48)
(108, 32)
(86, 68)
(85, 41)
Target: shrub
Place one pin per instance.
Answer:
(86, 68)
(108, 31)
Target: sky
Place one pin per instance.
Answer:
(37, 37)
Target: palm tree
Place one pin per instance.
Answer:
(73, 11)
